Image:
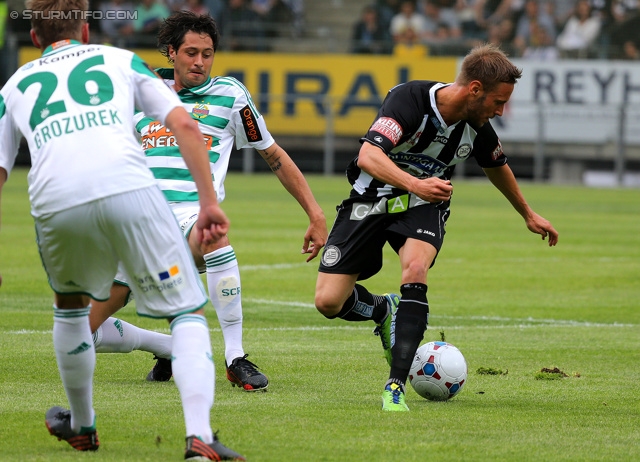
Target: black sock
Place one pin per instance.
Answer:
(411, 322)
(362, 305)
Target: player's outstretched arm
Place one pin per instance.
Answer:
(295, 183)
(212, 221)
(503, 179)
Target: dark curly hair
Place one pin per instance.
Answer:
(176, 26)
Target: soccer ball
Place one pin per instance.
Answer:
(438, 371)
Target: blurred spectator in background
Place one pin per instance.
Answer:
(560, 11)
(625, 29)
(489, 12)
(142, 30)
(369, 36)
(113, 29)
(241, 28)
(603, 9)
(631, 47)
(533, 14)
(501, 33)
(297, 12)
(195, 6)
(216, 7)
(174, 5)
(409, 45)
(540, 46)
(442, 33)
(407, 18)
(274, 14)
(623, 10)
(387, 9)
(466, 12)
(578, 37)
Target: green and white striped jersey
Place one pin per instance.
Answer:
(225, 113)
(75, 106)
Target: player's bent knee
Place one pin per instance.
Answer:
(327, 309)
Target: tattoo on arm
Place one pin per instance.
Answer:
(273, 160)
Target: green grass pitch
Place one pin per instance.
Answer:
(499, 293)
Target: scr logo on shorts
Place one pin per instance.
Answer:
(331, 255)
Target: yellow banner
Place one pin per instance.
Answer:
(313, 94)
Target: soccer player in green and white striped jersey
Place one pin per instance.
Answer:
(226, 115)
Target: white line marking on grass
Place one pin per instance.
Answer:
(264, 301)
(527, 321)
(271, 267)
(501, 322)
(432, 327)
(460, 260)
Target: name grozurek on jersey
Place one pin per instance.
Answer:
(226, 116)
(88, 92)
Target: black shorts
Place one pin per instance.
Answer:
(358, 236)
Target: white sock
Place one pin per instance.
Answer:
(193, 372)
(76, 359)
(223, 281)
(118, 336)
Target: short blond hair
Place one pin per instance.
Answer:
(490, 66)
(50, 28)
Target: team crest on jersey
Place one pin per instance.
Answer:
(200, 111)
(463, 151)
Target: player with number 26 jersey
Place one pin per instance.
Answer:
(79, 90)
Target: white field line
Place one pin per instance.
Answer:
(522, 321)
(500, 322)
(432, 327)
(278, 266)
(272, 267)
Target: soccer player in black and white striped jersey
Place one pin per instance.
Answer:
(401, 192)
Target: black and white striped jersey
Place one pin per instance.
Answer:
(411, 131)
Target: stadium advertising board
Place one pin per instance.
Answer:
(579, 102)
(352, 86)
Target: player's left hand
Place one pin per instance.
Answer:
(542, 226)
(315, 238)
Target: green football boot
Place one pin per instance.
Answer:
(393, 398)
(386, 329)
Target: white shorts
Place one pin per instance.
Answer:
(81, 248)
(187, 214)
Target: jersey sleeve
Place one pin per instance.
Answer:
(9, 138)
(487, 148)
(400, 115)
(152, 95)
(250, 128)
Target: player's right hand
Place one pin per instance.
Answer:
(433, 189)
(212, 224)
